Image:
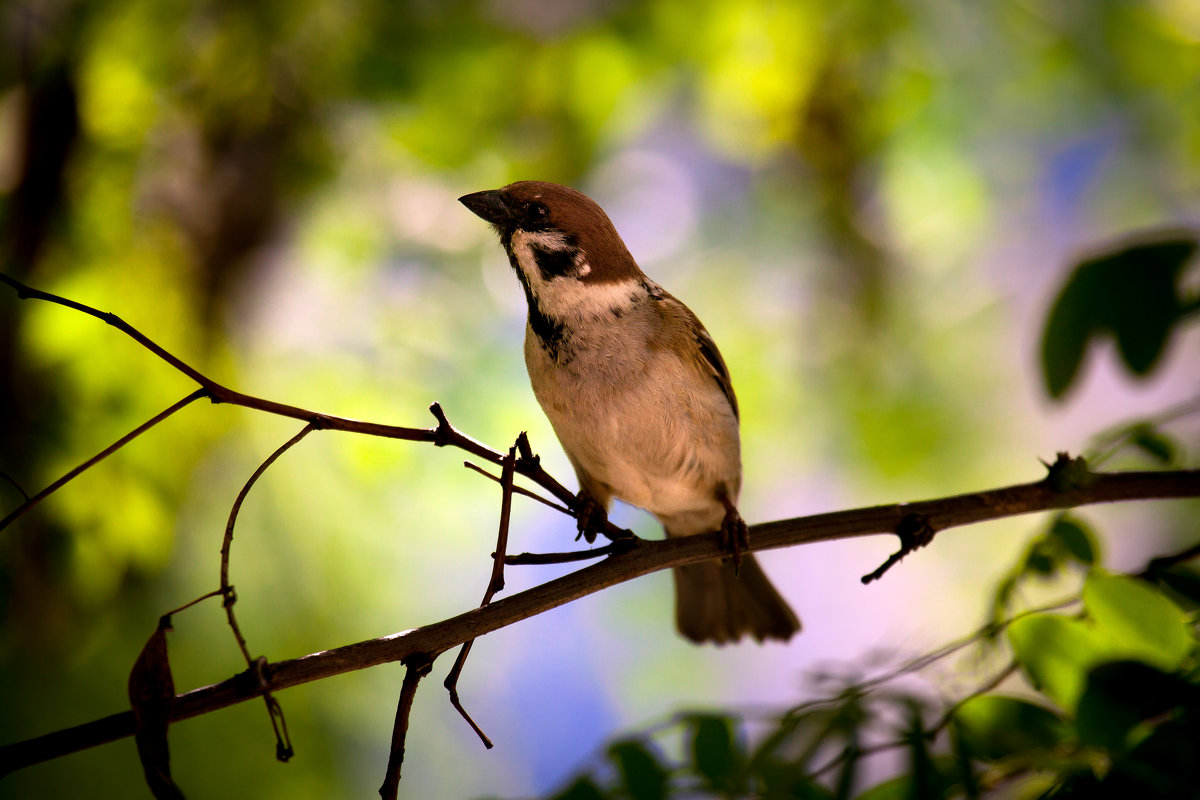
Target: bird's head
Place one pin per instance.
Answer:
(555, 236)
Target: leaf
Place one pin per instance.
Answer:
(896, 789)
(787, 780)
(1065, 338)
(1182, 580)
(1143, 280)
(152, 697)
(641, 774)
(995, 726)
(1055, 653)
(1129, 619)
(583, 788)
(1074, 537)
(848, 772)
(1154, 443)
(1137, 620)
(1164, 764)
(963, 755)
(716, 753)
(927, 781)
(1130, 292)
(1121, 694)
(1040, 560)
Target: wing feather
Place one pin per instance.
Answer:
(698, 344)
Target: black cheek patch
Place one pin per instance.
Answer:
(555, 263)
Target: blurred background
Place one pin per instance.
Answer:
(871, 205)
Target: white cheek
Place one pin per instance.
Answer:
(522, 247)
(565, 296)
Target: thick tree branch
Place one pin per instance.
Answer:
(639, 559)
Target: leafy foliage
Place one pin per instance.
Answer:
(1116, 714)
(1131, 292)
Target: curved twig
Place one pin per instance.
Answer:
(283, 745)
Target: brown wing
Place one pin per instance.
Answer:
(708, 349)
(699, 339)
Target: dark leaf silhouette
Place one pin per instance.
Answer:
(152, 696)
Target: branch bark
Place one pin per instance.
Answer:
(641, 558)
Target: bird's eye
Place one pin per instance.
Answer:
(536, 210)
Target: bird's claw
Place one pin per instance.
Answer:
(735, 536)
(591, 518)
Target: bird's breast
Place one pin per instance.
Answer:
(636, 420)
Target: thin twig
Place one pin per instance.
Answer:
(619, 546)
(929, 735)
(30, 502)
(915, 532)
(9, 478)
(1106, 443)
(417, 667)
(283, 745)
(189, 604)
(519, 489)
(495, 584)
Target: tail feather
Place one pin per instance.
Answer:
(713, 603)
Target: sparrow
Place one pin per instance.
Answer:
(639, 398)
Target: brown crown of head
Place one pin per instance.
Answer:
(533, 206)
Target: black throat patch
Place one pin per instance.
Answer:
(550, 332)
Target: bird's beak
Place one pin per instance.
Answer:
(488, 205)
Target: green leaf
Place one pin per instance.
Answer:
(642, 776)
(583, 788)
(716, 752)
(1040, 560)
(963, 760)
(895, 789)
(1137, 620)
(1181, 580)
(1164, 764)
(787, 780)
(1128, 619)
(1130, 292)
(1074, 537)
(1065, 338)
(1154, 443)
(1121, 694)
(927, 781)
(995, 726)
(1055, 653)
(848, 772)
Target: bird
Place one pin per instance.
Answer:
(639, 398)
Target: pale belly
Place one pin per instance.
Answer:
(652, 438)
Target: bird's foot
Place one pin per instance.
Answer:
(591, 517)
(735, 536)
